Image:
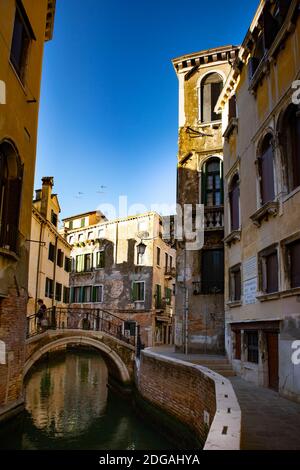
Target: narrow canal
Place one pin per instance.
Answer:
(68, 406)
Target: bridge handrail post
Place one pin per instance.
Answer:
(97, 319)
(53, 318)
(139, 345)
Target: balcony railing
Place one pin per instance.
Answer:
(214, 218)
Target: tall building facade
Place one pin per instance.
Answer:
(261, 126)
(199, 318)
(124, 266)
(49, 258)
(24, 27)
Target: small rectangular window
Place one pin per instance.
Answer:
(138, 291)
(158, 300)
(87, 294)
(100, 259)
(235, 283)
(60, 258)
(212, 271)
(58, 291)
(82, 222)
(98, 294)
(67, 264)
(79, 263)
(168, 295)
(88, 262)
(51, 253)
(49, 288)
(268, 265)
(294, 263)
(66, 295)
(54, 218)
(158, 256)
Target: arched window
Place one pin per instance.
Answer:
(10, 195)
(211, 87)
(266, 170)
(290, 140)
(234, 201)
(212, 182)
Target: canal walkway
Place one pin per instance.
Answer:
(269, 421)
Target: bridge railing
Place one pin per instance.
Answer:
(57, 318)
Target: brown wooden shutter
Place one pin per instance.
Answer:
(234, 197)
(272, 272)
(267, 172)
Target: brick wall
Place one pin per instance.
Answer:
(190, 394)
(180, 390)
(12, 333)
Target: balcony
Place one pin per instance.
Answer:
(214, 218)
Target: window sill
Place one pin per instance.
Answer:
(290, 292)
(9, 254)
(234, 303)
(263, 213)
(211, 124)
(271, 296)
(233, 124)
(233, 237)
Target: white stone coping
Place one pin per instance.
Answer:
(225, 430)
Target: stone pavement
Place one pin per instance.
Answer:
(269, 421)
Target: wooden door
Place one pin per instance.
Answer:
(272, 342)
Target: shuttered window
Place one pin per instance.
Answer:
(66, 295)
(212, 271)
(79, 263)
(100, 259)
(158, 296)
(211, 88)
(268, 265)
(290, 143)
(294, 257)
(60, 258)
(51, 253)
(49, 288)
(266, 166)
(138, 291)
(98, 293)
(234, 198)
(58, 291)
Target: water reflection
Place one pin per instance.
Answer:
(68, 407)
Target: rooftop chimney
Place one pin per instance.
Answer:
(48, 183)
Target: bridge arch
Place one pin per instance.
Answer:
(116, 365)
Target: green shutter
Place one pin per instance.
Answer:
(203, 185)
(81, 294)
(134, 291)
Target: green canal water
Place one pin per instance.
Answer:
(69, 406)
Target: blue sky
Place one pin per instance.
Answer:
(108, 114)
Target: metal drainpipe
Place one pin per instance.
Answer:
(38, 267)
(54, 270)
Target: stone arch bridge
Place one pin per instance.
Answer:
(117, 340)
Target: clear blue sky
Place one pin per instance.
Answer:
(108, 114)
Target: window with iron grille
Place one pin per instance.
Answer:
(212, 271)
(252, 346)
(235, 283)
(51, 253)
(58, 291)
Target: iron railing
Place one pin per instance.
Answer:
(57, 318)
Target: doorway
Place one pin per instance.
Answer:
(272, 344)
